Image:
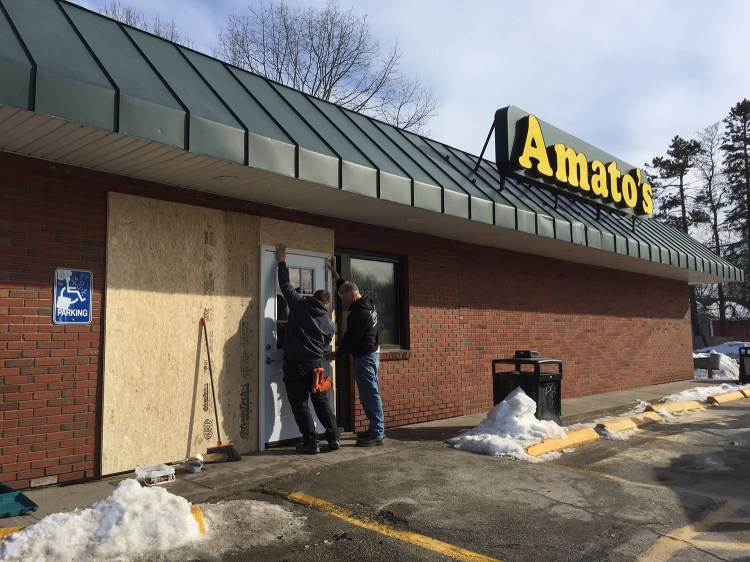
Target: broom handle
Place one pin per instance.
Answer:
(211, 375)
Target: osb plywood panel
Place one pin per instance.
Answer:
(167, 265)
(296, 236)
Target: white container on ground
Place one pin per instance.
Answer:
(154, 474)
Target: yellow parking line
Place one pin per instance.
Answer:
(721, 545)
(434, 545)
(683, 537)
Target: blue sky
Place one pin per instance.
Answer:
(624, 76)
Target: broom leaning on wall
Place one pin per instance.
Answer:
(222, 452)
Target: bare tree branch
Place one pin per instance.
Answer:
(328, 53)
(167, 29)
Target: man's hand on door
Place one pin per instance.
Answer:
(281, 252)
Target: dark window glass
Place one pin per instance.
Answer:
(377, 279)
(302, 281)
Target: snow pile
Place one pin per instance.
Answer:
(233, 526)
(130, 522)
(731, 348)
(702, 392)
(728, 368)
(509, 428)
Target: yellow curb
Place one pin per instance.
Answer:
(628, 424)
(198, 514)
(726, 397)
(8, 531)
(672, 407)
(573, 438)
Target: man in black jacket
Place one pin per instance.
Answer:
(308, 335)
(363, 342)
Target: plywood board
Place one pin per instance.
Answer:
(296, 236)
(168, 265)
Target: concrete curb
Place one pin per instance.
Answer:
(587, 435)
(674, 407)
(6, 532)
(630, 423)
(726, 397)
(573, 438)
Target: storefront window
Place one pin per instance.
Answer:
(378, 278)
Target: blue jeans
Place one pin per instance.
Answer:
(366, 374)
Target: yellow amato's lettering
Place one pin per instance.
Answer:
(614, 182)
(599, 179)
(572, 167)
(647, 199)
(629, 190)
(565, 166)
(534, 148)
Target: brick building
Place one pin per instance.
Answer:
(145, 185)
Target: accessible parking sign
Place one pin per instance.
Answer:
(72, 297)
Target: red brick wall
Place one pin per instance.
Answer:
(466, 305)
(49, 374)
(470, 304)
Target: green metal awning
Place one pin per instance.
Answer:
(84, 90)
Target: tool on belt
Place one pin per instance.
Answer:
(320, 382)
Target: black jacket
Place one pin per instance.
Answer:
(361, 337)
(310, 328)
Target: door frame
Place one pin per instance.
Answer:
(262, 304)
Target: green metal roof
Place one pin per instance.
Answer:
(60, 60)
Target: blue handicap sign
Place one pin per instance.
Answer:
(72, 297)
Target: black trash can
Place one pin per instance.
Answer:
(541, 381)
(744, 365)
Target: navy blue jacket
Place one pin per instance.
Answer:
(309, 328)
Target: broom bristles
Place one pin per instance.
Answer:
(225, 449)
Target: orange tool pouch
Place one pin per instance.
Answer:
(320, 382)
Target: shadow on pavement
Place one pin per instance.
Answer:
(439, 433)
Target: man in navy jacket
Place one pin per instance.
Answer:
(308, 335)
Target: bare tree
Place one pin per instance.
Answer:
(328, 53)
(710, 202)
(167, 29)
(123, 13)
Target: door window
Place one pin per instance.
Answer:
(303, 281)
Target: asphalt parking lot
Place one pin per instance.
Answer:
(676, 490)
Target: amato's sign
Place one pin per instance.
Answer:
(539, 152)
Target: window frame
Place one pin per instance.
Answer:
(343, 265)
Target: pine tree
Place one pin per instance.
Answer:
(672, 171)
(736, 149)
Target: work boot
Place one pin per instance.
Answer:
(333, 445)
(369, 441)
(310, 448)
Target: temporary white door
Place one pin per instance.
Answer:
(307, 271)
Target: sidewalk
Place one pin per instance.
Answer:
(227, 479)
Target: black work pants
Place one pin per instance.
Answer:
(298, 380)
